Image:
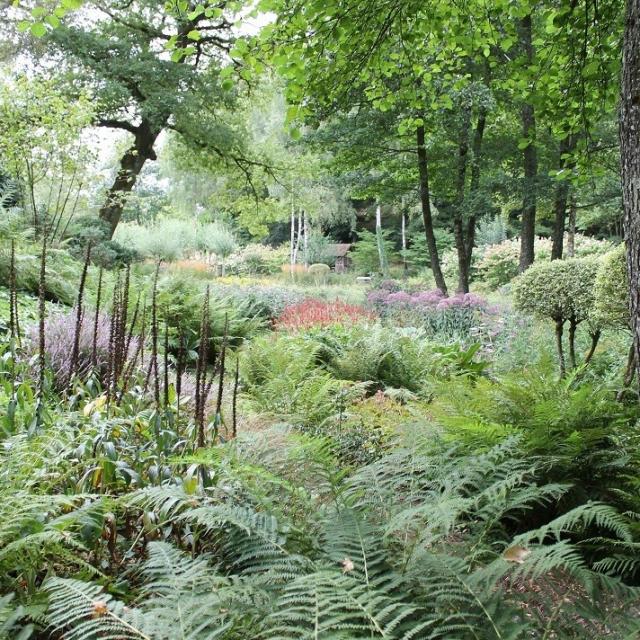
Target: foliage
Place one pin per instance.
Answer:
(257, 259)
(166, 240)
(460, 316)
(60, 330)
(561, 290)
(316, 313)
(266, 301)
(365, 254)
(63, 272)
(217, 239)
(576, 427)
(612, 291)
(281, 379)
(180, 302)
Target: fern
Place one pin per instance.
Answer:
(327, 604)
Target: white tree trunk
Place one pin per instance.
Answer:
(404, 238)
(381, 256)
(292, 245)
(306, 239)
(296, 249)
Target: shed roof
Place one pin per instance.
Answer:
(338, 250)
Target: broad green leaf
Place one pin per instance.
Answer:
(38, 29)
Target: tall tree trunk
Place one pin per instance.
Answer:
(530, 158)
(474, 185)
(561, 196)
(403, 232)
(425, 201)
(559, 348)
(458, 217)
(131, 165)
(382, 258)
(630, 162)
(292, 243)
(305, 230)
(296, 249)
(571, 226)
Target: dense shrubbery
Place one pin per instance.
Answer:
(456, 316)
(63, 272)
(402, 485)
(498, 263)
(258, 259)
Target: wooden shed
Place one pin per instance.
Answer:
(341, 254)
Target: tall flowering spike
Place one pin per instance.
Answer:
(41, 321)
(154, 337)
(201, 371)
(73, 368)
(113, 332)
(222, 365)
(234, 401)
(96, 318)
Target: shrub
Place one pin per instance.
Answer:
(320, 272)
(498, 263)
(217, 239)
(63, 272)
(461, 315)
(578, 430)
(180, 301)
(384, 357)
(267, 302)
(449, 265)
(60, 332)
(612, 290)
(365, 253)
(363, 431)
(317, 313)
(563, 291)
(318, 249)
(491, 231)
(256, 259)
(281, 377)
(167, 240)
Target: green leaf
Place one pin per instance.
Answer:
(38, 29)
(194, 34)
(295, 133)
(227, 85)
(23, 26)
(54, 21)
(196, 13)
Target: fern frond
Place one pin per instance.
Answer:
(590, 514)
(327, 604)
(83, 611)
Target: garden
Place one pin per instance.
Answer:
(261, 379)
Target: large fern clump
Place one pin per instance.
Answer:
(281, 543)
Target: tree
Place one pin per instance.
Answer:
(119, 52)
(41, 147)
(630, 162)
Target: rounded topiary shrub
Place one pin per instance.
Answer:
(612, 291)
(563, 291)
(320, 272)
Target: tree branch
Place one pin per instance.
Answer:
(118, 124)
